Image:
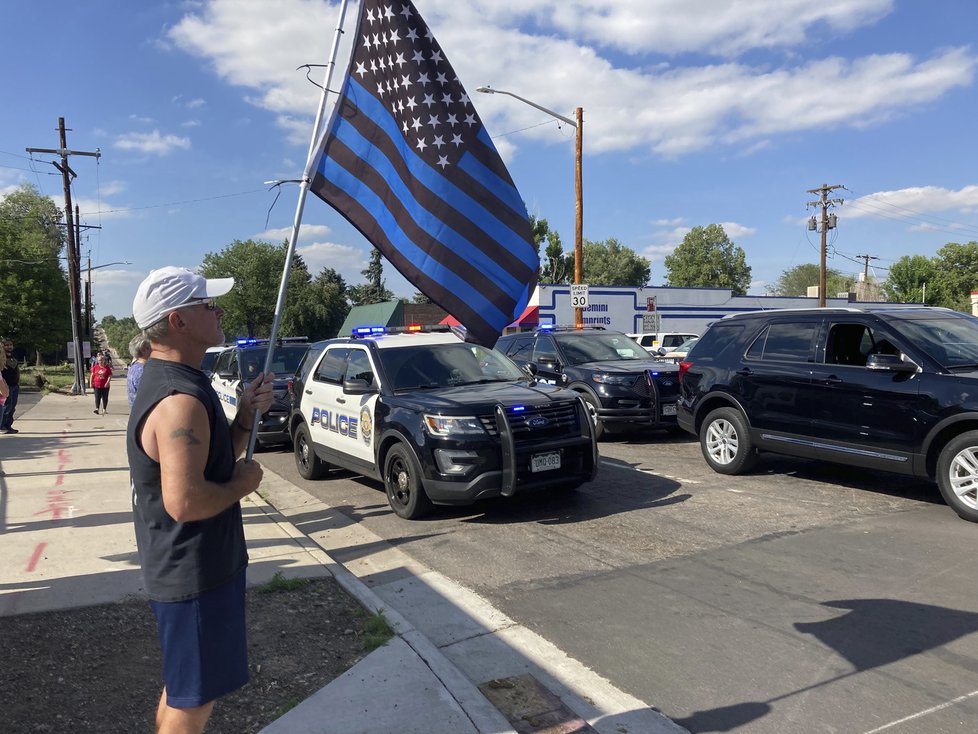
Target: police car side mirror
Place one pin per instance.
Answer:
(530, 369)
(226, 375)
(358, 387)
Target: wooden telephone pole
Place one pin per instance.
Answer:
(827, 223)
(74, 253)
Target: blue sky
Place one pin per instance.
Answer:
(696, 111)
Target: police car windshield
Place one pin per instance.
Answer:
(209, 359)
(285, 359)
(594, 346)
(447, 365)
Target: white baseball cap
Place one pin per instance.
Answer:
(169, 288)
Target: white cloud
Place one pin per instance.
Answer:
(630, 102)
(306, 232)
(716, 27)
(196, 104)
(348, 261)
(145, 120)
(917, 200)
(735, 231)
(153, 143)
(190, 123)
(96, 210)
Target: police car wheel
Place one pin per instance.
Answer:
(402, 482)
(307, 463)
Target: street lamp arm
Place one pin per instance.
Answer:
(490, 90)
(105, 265)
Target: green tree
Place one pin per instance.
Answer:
(249, 309)
(34, 296)
(555, 266)
(328, 293)
(707, 258)
(119, 332)
(796, 281)
(955, 276)
(908, 279)
(612, 263)
(374, 290)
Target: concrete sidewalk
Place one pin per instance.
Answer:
(456, 666)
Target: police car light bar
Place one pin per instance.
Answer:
(362, 331)
(368, 330)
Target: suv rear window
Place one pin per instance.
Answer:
(716, 341)
(785, 341)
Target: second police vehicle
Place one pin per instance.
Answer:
(239, 363)
(437, 420)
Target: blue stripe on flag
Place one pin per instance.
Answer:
(448, 191)
(354, 188)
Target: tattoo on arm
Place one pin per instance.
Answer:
(187, 433)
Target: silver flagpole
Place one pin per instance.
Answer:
(303, 190)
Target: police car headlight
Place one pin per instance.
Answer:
(441, 425)
(604, 378)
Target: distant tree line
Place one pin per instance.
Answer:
(34, 296)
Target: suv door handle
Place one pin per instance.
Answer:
(342, 401)
(307, 392)
(833, 380)
(745, 372)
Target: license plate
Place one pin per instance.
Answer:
(669, 409)
(545, 462)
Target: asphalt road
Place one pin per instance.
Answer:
(803, 597)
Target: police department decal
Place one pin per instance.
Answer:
(366, 425)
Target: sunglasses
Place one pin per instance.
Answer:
(209, 303)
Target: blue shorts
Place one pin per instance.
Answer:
(204, 644)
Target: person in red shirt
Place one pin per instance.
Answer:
(101, 374)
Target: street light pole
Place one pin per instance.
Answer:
(578, 185)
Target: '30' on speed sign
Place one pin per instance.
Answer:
(579, 295)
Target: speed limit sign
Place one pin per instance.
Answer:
(578, 295)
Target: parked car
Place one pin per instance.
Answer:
(240, 363)
(210, 357)
(894, 389)
(437, 420)
(677, 354)
(653, 341)
(623, 387)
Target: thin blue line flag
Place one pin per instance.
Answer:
(406, 160)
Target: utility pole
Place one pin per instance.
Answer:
(74, 254)
(866, 259)
(827, 223)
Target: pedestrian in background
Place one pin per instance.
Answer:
(139, 348)
(11, 375)
(189, 530)
(101, 374)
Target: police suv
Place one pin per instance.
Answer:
(239, 364)
(437, 420)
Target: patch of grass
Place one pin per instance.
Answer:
(376, 631)
(286, 707)
(280, 583)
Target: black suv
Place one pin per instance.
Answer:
(623, 387)
(885, 388)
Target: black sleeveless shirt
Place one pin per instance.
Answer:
(181, 560)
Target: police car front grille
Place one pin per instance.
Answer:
(667, 384)
(537, 422)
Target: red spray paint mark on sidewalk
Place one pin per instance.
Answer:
(35, 557)
(57, 503)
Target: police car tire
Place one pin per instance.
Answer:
(402, 483)
(307, 463)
